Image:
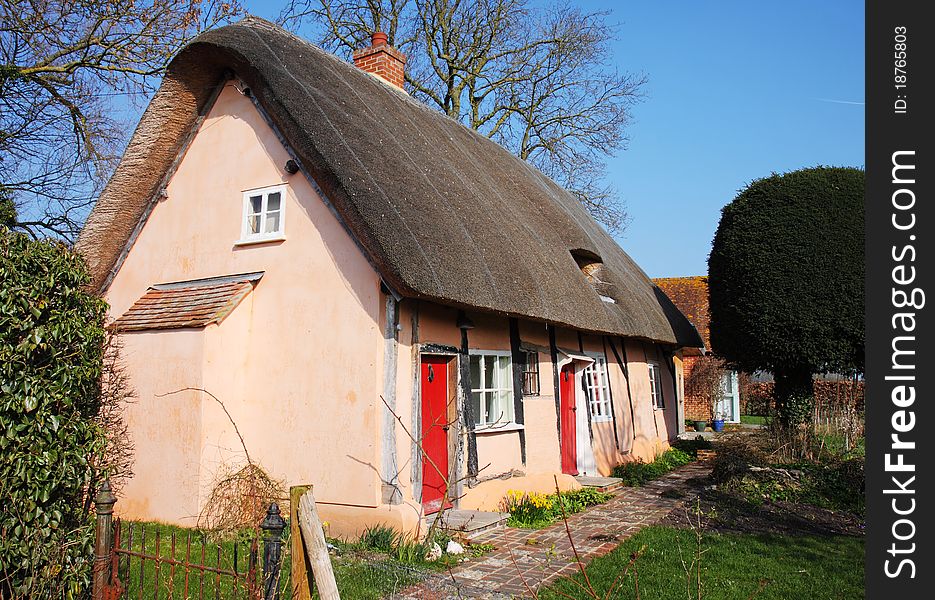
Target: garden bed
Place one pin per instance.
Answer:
(637, 473)
(536, 511)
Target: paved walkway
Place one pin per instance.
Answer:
(539, 556)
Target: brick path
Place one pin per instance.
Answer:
(539, 556)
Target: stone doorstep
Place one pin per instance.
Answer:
(468, 524)
(601, 484)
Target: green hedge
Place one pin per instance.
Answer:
(51, 344)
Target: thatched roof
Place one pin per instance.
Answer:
(444, 213)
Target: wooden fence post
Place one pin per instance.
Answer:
(103, 540)
(317, 547)
(301, 584)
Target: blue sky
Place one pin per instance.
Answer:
(737, 90)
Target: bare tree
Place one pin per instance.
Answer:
(65, 66)
(537, 80)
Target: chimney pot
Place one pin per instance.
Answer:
(382, 60)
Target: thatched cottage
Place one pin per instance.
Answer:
(382, 299)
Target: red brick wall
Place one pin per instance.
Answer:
(695, 407)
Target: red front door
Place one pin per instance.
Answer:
(568, 422)
(435, 422)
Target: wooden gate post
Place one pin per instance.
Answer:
(301, 568)
(317, 547)
(103, 539)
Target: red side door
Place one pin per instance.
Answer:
(435, 422)
(568, 422)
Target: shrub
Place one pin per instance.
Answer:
(786, 281)
(691, 447)
(51, 346)
(637, 473)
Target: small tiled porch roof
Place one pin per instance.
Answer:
(186, 304)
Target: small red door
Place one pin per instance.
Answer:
(435, 424)
(567, 410)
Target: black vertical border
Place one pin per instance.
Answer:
(890, 131)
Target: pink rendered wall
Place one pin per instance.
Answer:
(298, 364)
(166, 430)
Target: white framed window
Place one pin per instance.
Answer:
(598, 388)
(655, 385)
(264, 214)
(491, 388)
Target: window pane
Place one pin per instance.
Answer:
(505, 381)
(475, 408)
(493, 411)
(475, 373)
(505, 410)
(253, 223)
(256, 204)
(272, 202)
(490, 363)
(272, 222)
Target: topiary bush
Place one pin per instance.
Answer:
(51, 345)
(786, 281)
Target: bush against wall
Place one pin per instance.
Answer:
(51, 346)
(705, 383)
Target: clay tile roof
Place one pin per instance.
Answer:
(690, 295)
(442, 212)
(187, 303)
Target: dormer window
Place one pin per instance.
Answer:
(592, 267)
(264, 215)
(590, 264)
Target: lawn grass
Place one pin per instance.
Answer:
(753, 419)
(230, 554)
(734, 566)
(361, 573)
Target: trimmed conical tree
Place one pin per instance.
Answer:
(786, 281)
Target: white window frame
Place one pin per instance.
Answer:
(655, 385)
(248, 237)
(481, 421)
(599, 405)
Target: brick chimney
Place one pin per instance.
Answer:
(382, 60)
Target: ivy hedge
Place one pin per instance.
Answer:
(51, 345)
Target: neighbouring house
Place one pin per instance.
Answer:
(382, 299)
(690, 295)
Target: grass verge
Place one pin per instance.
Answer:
(733, 566)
